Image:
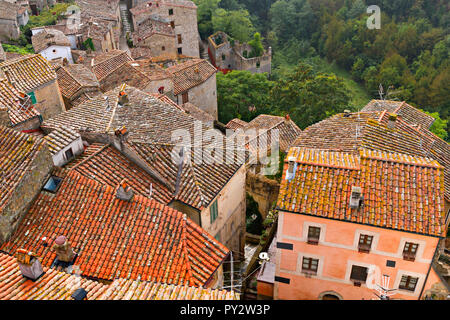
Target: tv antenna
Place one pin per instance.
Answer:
(384, 293)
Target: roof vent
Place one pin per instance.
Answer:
(29, 264)
(63, 250)
(124, 191)
(79, 294)
(292, 167)
(356, 198)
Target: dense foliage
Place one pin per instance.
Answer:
(409, 55)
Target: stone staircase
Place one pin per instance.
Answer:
(125, 16)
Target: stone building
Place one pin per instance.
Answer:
(226, 54)
(100, 33)
(26, 164)
(12, 16)
(33, 75)
(52, 44)
(181, 15)
(2, 53)
(16, 109)
(64, 144)
(77, 84)
(156, 35)
(195, 81)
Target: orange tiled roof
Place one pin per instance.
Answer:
(108, 166)
(408, 113)
(60, 138)
(17, 152)
(49, 37)
(140, 238)
(107, 63)
(75, 77)
(190, 74)
(400, 192)
(57, 285)
(10, 98)
(27, 72)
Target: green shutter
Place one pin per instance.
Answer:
(33, 97)
(213, 211)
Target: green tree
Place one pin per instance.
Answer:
(308, 96)
(257, 47)
(236, 23)
(439, 126)
(243, 95)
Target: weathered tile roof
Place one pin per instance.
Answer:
(27, 72)
(99, 9)
(408, 113)
(151, 26)
(288, 131)
(160, 118)
(197, 184)
(108, 166)
(122, 289)
(371, 131)
(107, 63)
(58, 285)
(47, 38)
(163, 98)
(11, 99)
(126, 73)
(73, 78)
(190, 74)
(52, 285)
(140, 53)
(96, 28)
(152, 70)
(140, 238)
(400, 192)
(197, 113)
(146, 7)
(60, 138)
(17, 152)
(236, 123)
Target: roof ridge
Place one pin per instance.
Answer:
(365, 153)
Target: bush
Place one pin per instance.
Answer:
(253, 217)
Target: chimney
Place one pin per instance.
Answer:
(124, 191)
(287, 117)
(356, 198)
(392, 120)
(123, 98)
(292, 166)
(63, 250)
(29, 264)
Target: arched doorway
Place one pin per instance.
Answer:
(330, 295)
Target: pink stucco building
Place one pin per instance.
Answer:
(347, 219)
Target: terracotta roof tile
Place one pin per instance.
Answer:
(190, 74)
(400, 192)
(73, 78)
(407, 112)
(60, 138)
(236, 123)
(47, 38)
(27, 72)
(106, 63)
(17, 152)
(110, 235)
(197, 113)
(57, 285)
(12, 100)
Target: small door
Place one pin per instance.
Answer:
(185, 97)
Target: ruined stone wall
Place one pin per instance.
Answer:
(25, 193)
(263, 190)
(9, 29)
(49, 101)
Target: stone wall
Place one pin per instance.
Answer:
(263, 190)
(9, 29)
(30, 124)
(156, 42)
(25, 193)
(49, 101)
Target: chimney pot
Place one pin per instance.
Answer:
(124, 192)
(63, 250)
(29, 264)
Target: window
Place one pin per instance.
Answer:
(170, 12)
(313, 235)
(408, 283)
(358, 275)
(213, 211)
(410, 250)
(172, 24)
(179, 38)
(69, 154)
(163, 48)
(161, 89)
(185, 97)
(365, 242)
(180, 50)
(33, 97)
(310, 265)
(218, 237)
(258, 64)
(52, 184)
(223, 57)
